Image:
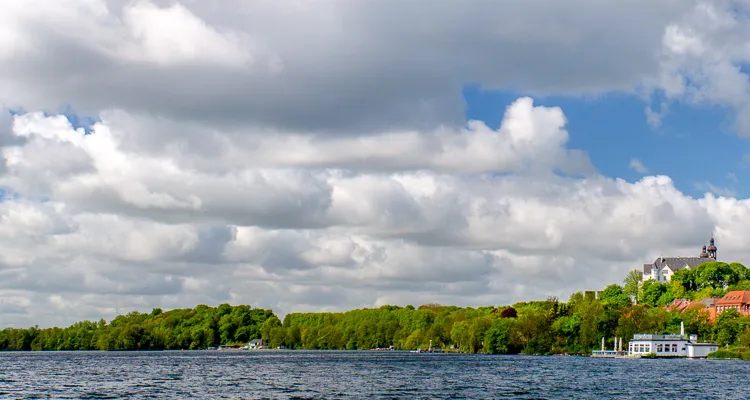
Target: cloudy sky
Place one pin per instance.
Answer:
(334, 154)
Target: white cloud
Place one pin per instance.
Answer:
(126, 230)
(331, 66)
(704, 58)
(654, 117)
(637, 166)
(262, 153)
(173, 35)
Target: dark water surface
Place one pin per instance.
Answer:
(298, 374)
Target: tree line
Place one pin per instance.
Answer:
(196, 328)
(549, 326)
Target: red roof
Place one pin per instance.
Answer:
(679, 304)
(684, 304)
(735, 297)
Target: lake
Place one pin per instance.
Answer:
(363, 374)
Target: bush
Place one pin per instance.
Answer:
(726, 354)
(509, 312)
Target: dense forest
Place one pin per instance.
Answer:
(537, 327)
(196, 328)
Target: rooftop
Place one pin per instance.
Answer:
(675, 263)
(648, 336)
(735, 297)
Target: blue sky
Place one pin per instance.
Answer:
(693, 145)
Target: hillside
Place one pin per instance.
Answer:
(538, 327)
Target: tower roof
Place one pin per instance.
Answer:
(704, 253)
(711, 245)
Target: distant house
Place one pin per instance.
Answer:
(663, 268)
(736, 299)
(257, 344)
(682, 305)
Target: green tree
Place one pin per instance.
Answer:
(727, 327)
(613, 295)
(497, 339)
(632, 283)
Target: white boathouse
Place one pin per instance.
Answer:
(670, 345)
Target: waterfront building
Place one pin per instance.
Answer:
(663, 268)
(671, 345)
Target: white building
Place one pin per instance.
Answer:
(700, 350)
(670, 345)
(663, 268)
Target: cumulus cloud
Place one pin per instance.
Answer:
(261, 153)
(111, 229)
(527, 132)
(704, 58)
(297, 65)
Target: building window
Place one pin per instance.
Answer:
(674, 348)
(658, 348)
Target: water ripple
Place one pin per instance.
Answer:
(387, 375)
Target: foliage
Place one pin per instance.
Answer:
(535, 327)
(509, 312)
(735, 353)
(196, 328)
(632, 283)
(710, 279)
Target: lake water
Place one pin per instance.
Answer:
(330, 374)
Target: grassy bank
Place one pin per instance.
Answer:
(732, 353)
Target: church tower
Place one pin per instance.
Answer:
(711, 248)
(704, 252)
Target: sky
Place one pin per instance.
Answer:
(330, 155)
